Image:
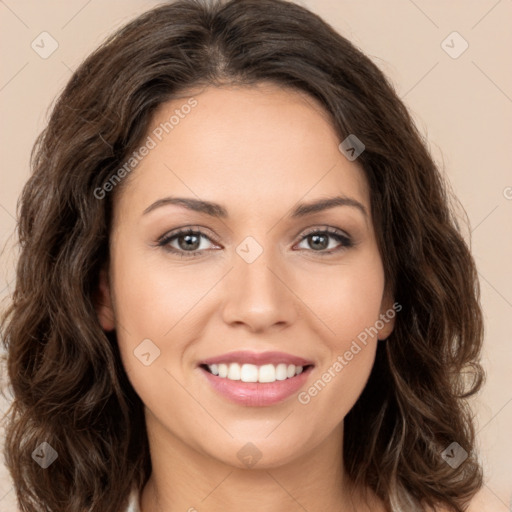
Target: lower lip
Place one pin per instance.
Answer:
(257, 394)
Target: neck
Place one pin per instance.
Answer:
(183, 479)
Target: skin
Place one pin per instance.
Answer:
(257, 151)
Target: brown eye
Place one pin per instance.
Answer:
(185, 242)
(190, 242)
(319, 241)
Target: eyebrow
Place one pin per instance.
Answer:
(217, 210)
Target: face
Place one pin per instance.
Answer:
(286, 297)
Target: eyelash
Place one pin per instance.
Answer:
(334, 233)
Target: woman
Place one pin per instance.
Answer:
(240, 283)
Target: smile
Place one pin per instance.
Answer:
(253, 373)
(256, 393)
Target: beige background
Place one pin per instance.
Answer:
(463, 106)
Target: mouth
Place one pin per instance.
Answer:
(263, 374)
(256, 380)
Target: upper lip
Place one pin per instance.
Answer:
(257, 358)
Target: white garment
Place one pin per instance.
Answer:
(133, 503)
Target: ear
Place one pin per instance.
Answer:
(388, 312)
(103, 302)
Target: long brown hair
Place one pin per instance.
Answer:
(69, 386)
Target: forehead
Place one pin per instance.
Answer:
(249, 147)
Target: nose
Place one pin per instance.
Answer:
(259, 295)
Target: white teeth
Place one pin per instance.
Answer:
(267, 373)
(223, 370)
(281, 371)
(234, 371)
(254, 373)
(249, 373)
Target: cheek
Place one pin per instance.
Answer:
(349, 353)
(151, 298)
(338, 385)
(348, 303)
(148, 306)
(346, 299)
